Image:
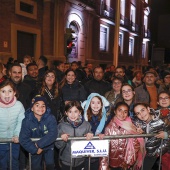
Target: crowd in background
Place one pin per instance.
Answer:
(67, 99)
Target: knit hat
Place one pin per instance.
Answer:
(85, 105)
(38, 98)
(166, 73)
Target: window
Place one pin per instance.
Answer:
(26, 8)
(122, 11)
(131, 46)
(120, 43)
(133, 16)
(143, 50)
(145, 24)
(104, 38)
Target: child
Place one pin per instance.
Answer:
(164, 110)
(26, 60)
(95, 112)
(11, 116)
(72, 125)
(39, 123)
(123, 152)
(151, 123)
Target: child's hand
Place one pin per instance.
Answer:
(15, 139)
(162, 134)
(64, 137)
(139, 130)
(101, 136)
(89, 136)
(39, 151)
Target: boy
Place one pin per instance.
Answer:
(39, 123)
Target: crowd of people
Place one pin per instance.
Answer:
(68, 100)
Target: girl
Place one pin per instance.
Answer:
(72, 125)
(95, 112)
(164, 114)
(123, 152)
(150, 123)
(11, 115)
(128, 94)
(71, 89)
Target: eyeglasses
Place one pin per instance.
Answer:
(126, 91)
(116, 82)
(167, 77)
(50, 76)
(165, 98)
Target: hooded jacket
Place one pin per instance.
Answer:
(45, 129)
(65, 147)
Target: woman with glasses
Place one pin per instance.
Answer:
(113, 95)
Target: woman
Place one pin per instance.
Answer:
(49, 90)
(2, 73)
(114, 94)
(71, 89)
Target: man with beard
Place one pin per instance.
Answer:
(97, 84)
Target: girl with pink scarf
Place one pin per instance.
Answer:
(127, 152)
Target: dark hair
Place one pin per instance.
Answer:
(43, 59)
(57, 63)
(121, 104)
(121, 68)
(54, 87)
(8, 82)
(31, 64)
(98, 67)
(117, 78)
(15, 64)
(71, 104)
(162, 92)
(146, 105)
(126, 84)
(74, 62)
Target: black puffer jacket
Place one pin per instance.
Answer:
(153, 145)
(73, 92)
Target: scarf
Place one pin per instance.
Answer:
(10, 104)
(76, 123)
(131, 129)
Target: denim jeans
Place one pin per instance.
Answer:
(5, 156)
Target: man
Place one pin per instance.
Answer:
(31, 78)
(97, 84)
(23, 89)
(42, 66)
(120, 72)
(148, 91)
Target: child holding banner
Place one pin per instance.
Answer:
(125, 152)
(73, 125)
(96, 113)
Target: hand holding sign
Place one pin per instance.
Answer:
(64, 137)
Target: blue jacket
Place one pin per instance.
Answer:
(46, 129)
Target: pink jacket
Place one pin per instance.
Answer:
(118, 149)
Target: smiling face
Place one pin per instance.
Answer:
(116, 85)
(50, 79)
(70, 77)
(164, 100)
(7, 94)
(127, 93)
(39, 109)
(73, 114)
(122, 112)
(143, 113)
(16, 74)
(95, 105)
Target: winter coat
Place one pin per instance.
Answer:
(95, 86)
(118, 148)
(73, 92)
(153, 145)
(141, 94)
(65, 147)
(11, 119)
(46, 129)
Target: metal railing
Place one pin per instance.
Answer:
(9, 140)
